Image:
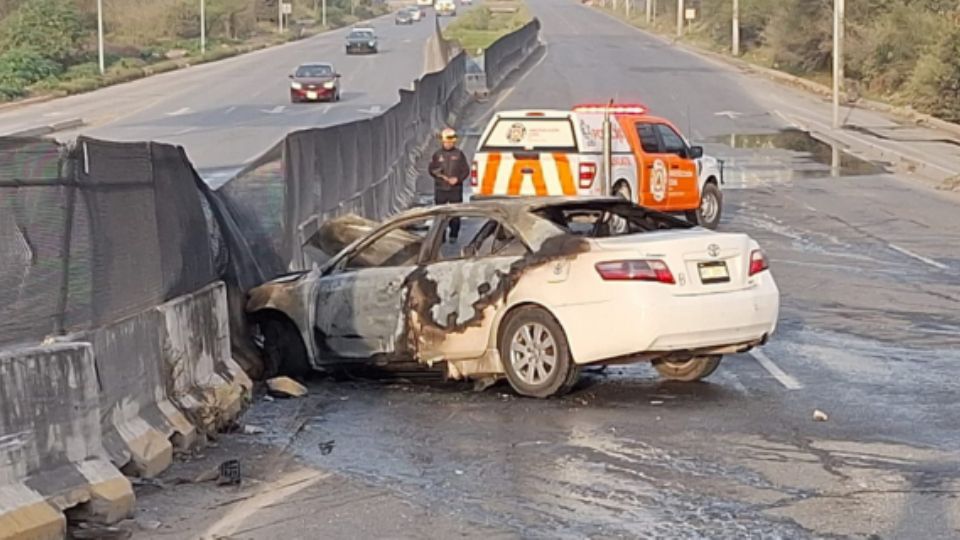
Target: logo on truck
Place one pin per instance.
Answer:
(658, 181)
(517, 132)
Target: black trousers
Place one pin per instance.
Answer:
(450, 196)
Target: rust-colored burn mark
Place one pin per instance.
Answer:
(426, 338)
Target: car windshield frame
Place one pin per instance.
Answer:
(300, 75)
(362, 35)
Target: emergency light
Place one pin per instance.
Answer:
(632, 108)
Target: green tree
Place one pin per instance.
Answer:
(935, 85)
(52, 28)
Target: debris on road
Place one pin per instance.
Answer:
(94, 531)
(327, 447)
(229, 473)
(252, 430)
(656, 402)
(285, 387)
(148, 524)
(820, 416)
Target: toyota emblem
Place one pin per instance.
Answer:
(713, 250)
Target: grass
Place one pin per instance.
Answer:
(478, 28)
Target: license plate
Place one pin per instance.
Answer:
(713, 272)
(311, 95)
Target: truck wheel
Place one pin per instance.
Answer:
(535, 354)
(694, 369)
(283, 350)
(711, 207)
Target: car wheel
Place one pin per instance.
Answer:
(337, 96)
(535, 354)
(711, 207)
(694, 369)
(283, 350)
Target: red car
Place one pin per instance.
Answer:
(315, 82)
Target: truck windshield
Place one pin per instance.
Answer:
(531, 134)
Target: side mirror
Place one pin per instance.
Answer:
(290, 76)
(337, 75)
(696, 152)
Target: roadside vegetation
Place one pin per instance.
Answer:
(905, 52)
(50, 46)
(476, 29)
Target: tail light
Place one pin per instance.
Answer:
(588, 172)
(758, 262)
(637, 270)
(473, 174)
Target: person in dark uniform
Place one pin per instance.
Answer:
(449, 169)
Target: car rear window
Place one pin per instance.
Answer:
(604, 220)
(536, 134)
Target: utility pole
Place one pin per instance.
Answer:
(323, 16)
(100, 34)
(626, 7)
(837, 59)
(649, 6)
(736, 28)
(679, 18)
(280, 15)
(203, 26)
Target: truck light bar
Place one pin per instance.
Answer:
(633, 108)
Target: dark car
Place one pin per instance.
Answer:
(315, 82)
(404, 16)
(362, 40)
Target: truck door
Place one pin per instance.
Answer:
(653, 166)
(683, 188)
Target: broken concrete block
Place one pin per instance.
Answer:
(819, 416)
(285, 387)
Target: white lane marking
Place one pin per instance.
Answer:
(179, 112)
(918, 257)
(375, 109)
(184, 131)
(325, 109)
(276, 110)
(731, 377)
(733, 115)
(229, 110)
(786, 380)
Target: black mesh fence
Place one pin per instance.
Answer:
(96, 232)
(508, 52)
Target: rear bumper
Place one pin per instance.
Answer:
(651, 323)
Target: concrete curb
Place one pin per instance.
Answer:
(41, 131)
(52, 458)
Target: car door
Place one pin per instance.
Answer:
(360, 300)
(683, 190)
(653, 165)
(468, 282)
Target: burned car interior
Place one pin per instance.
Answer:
(606, 219)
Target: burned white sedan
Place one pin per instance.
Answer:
(530, 290)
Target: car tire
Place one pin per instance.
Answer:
(523, 362)
(708, 214)
(283, 350)
(694, 369)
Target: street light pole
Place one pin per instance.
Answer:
(100, 34)
(324, 15)
(280, 16)
(649, 6)
(736, 28)
(203, 27)
(679, 18)
(838, 6)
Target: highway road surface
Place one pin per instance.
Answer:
(868, 262)
(228, 113)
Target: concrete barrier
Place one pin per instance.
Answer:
(201, 375)
(51, 454)
(141, 426)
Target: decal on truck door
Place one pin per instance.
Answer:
(658, 181)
